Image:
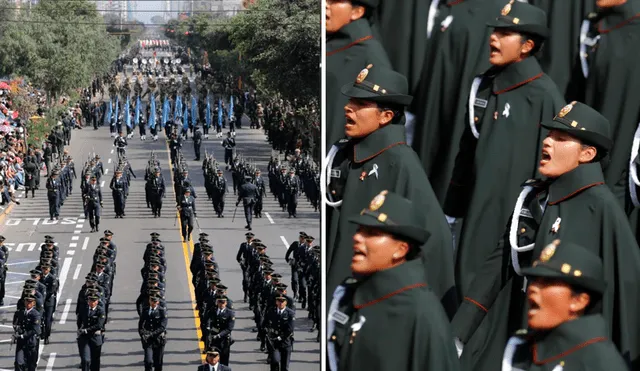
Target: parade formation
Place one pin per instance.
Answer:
(157, 185)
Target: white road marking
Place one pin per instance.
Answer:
(51, 361)
(111, 151)
(71, 252)
(77, 272)
(40, 352)
(109, 161)
(64, 272)
(102, 184)
(269, 217)
(77, 232)
(65, 312)
(19, 273)
(284, 241)
(4, 341)
(12, 297)
(25, 262)
(75, 238)
(81, 220)
(86, 242)
(106, 172)
(81, 216)
(80, 226)
(6, 326)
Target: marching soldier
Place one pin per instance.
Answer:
(121, 144)
(90, 324)
(279, 325)
(219, 190)
(229, 144)
(247, 193)
(98, 167)
(213, 362)
(152, 328)
(156, 192)
(197, 141)
(3, 275)
(292, 190)
(220, 323)
(262, 191)
(294, 261)
(53, 194)
(243, 258)
(187, 208)
(72, 172)
(92, 195)
(50, 301)
(118, 190)
(26, 332)
(174, 147)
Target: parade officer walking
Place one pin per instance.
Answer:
(152, 328)
(27, 329)
(53, 194)
(248, 193)
(90, 322)
(213, 362)
(187, 208)
(93, 203)
(118, 191)
(197, 141)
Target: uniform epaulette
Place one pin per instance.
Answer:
(533, 183)
(522, 332)
(592, 16)
(350, 281)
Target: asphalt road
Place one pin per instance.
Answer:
(27, 224)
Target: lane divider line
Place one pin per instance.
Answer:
(77, 272)
(51, 361)
(269, 217)
(65, 312)
(284, 241)
(86, 242)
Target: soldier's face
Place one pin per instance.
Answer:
(29, 304)
(609, 3)
(507, 47)
(562, 153)
(552, 302)
(281, 304)
(213, 359)
(375, 250)
(340, 13)
(222, 304)
(363, 117)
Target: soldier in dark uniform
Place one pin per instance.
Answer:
(121, 145)
(152, 328)
(368, 163)
(72, 173)
(219, 190)
(564, 326)
(292, 190)
(3, 275)
(197, 141)
(279, 325)
(291, 257)
(386, 258)
(548, 209)
(174, 147)
(187, 208)
(247, 193)
(262, 192)
(90, 324)
(219, 323)
(213, 362)
(31, 172)
(229, 144)
(350, 46)
(92, 195)
(513, 93)
(50, 301)
(48, 156)
(26, 332)
(242, 257)
(118, 190)
(281, 191)
(156, 192)
(53, 194)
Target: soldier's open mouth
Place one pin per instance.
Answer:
(533, 307)
(350, 121)
(545, 157)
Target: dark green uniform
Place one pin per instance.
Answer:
(559, 53)
(455, 54)
(348, 51)
(611, 87)
(574, 207)
(383, 161)
(508, 144)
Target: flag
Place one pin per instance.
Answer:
(117, 108)
(165, 111)
(137, 114)
(231, 108)
(152, 113)
(220, 113)
(185, 118)
(107, 116)
(208, 112)
(194, 111)
(178, 108)
(127, 113)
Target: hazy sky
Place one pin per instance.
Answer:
(148, 5)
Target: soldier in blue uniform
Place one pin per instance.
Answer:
(51, 282)
(90, 323)
(152, 328)
(213, 362)
(92, 195)
(157, 191)
(248, 193)
(242, 257)
(219, 325)
(3, 275)
(279, 325)
(197, 141)
(292, 188)
(187, 208)
(26, 327)
(262, 191)
(118, 190)
(53, 194)
(229, 144)
(219, 190)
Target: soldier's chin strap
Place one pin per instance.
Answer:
(325, 177)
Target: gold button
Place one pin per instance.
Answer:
(333, 338)
(523, 230)
(475, 119)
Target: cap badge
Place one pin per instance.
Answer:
(378, 201)
(566, 109)
(507, 8)
(362, 75)
(547, 253)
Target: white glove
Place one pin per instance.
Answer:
(451, 220)
(459, 346)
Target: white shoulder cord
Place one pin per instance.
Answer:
(331, 326)
(509, 352)
(513, 231)
(431, 18)
(633, 170)
(325, 177)
(584, 42)
(472, 100)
